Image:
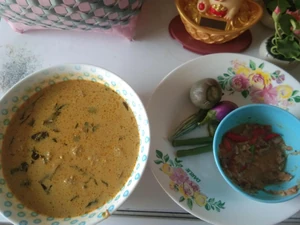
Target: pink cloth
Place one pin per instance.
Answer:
(106, 16)
(127, 31)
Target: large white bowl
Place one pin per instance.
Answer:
(15, 211)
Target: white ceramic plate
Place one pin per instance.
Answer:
(194, 182)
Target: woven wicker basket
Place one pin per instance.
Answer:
(214, 36)
(83, 15)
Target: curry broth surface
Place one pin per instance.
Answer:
(70, 148)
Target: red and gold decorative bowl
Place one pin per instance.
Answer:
(248, 15)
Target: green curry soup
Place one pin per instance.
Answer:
(70, 148)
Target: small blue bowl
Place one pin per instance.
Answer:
(282, 122)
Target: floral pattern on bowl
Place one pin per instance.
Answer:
(180, 182)
(261, 86)
(10, 206)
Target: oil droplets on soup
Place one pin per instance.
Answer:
(70, 148)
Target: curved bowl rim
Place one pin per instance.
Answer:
(216, 150)
(146, 150)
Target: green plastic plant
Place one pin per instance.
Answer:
(285, 44)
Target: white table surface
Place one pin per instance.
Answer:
(142, 63)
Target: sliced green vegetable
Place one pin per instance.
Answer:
(126, 105)
(72, 199)
(105, 183)
(53, 117)
(22, 168)
(92, 203)
(40, 136)
(192, 141)
(212, 127)
(189, 124)
(193, 151)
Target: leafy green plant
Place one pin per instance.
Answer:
(285, 44)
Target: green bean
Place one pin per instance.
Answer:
(192, 141)
(193, 151)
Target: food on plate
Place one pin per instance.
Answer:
(70, 148)
(253, 156)
(192, 141)
(193, 151)
(219, 111)
(204, 142)
(206, 93)
(213, 117)
(212, 127)
(189, 124)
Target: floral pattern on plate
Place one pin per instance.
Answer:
(167, 108)
(253, 82)
(180, 182)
